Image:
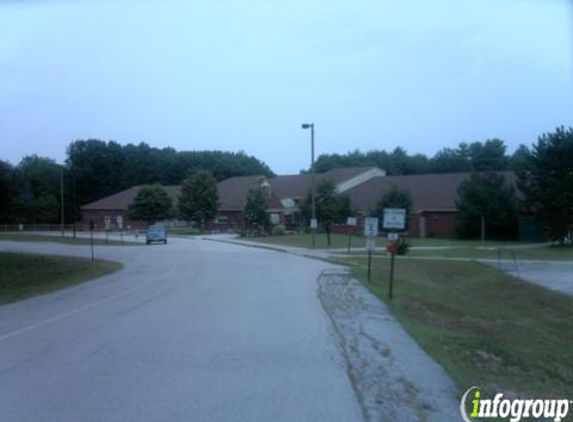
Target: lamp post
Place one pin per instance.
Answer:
(62, 197)
(313, 189)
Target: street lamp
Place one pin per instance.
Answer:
(313, 189)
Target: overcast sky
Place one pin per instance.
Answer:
(243, 75)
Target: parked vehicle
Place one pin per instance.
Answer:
(156, 233)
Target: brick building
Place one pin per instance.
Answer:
(433, 213)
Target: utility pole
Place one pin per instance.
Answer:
(313, 180)
(62, 196)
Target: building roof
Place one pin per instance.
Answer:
(121, 200)
(298, 185)
(428, 191)
(233, 193)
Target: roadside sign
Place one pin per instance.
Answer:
(392, 237)
(370, 243)
(351, 221)
(371, 226)
(394, 218)
(313, 223)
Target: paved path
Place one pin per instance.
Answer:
(208, 331)
(556, 276)
(191, 331)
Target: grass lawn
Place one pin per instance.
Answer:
(341, 241)
(484, 327)
(545, 253)
(305, 240)
(25, 275)
(79, 240)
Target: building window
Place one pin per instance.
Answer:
(221, 219)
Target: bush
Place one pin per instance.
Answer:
(278, 230)
(403, 246)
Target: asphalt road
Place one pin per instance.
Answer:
(191, 331)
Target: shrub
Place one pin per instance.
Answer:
(278, 230)
(403, 246)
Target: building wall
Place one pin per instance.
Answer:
(437, 224)
(99, 219)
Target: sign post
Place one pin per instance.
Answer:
(394, 220)
(350, 222)
(370, 232)
(92, 238)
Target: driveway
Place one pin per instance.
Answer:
(556, 276)
(189, 331)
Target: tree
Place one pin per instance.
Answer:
(396, 197)
(151, 203)
(255, 209)
(7, 195)
(488, 156)
(199, 198)
(546, 179)
(104, 168)
(330, 207)
(486, 195)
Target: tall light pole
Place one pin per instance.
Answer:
(62, 196)
(313, 189)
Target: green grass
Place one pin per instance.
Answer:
(341, 241)
(305, 240)
(484, 327)
(544, 253)
(79, 240)
(26, 275)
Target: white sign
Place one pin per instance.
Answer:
(371, 226)
(394, 218)
(370, 243)
(351, 221)
(392, 237)
(313, 223)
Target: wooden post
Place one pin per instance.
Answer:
(369, 263)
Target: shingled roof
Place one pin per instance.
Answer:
(121, 200)
(298, 185)
(233, 193)
(428, 191)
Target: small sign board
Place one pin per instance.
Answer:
(313, 223)
(394, 218)
(371, 226)
(351, 221)
(370, 243)
(393, 237)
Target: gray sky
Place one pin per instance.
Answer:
(242, 75)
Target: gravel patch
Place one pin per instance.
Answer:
(393, 378)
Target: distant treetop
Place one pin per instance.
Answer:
(467, 157)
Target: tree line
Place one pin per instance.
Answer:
(490, 155)
(30, 190)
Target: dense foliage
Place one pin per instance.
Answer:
(394, 198)
(199, 198)
(151, 203)
(546, 179)
(255, 209)
(331, 208)
(491, 196)
(30, 191)
(103, 168)
(475, 156)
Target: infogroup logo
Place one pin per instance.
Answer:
(515, 409)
